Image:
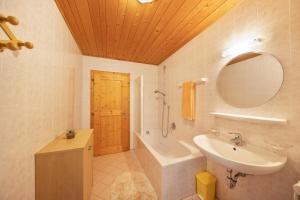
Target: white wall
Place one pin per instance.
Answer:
(149, 73)
(138, 105)
(278, 23)
(37, 92)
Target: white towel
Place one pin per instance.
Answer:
(297, 188)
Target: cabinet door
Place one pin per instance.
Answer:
(88, 168)
(59, 175)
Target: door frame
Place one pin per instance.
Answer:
(92, 100)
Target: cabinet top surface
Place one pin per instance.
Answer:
(61, 143)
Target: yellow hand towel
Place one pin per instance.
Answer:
(189, 100)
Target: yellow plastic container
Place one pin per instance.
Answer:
(206, 185)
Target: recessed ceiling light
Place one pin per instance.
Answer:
(145, 1)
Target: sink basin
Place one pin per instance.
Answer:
(247, 159)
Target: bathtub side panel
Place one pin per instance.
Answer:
(179, 179)
(152, 168)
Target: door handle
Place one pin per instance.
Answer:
(90, 147)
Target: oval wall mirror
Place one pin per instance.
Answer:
(250, 80)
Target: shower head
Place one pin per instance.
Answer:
(159, 92)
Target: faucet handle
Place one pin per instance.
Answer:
(236, 134)
(238, 139)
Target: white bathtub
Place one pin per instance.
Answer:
(170, 164)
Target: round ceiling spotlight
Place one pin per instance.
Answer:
(145, 1)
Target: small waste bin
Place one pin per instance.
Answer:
(206, 185)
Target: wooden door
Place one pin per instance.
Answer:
(110, 93)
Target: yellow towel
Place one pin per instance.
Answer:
(189, 100)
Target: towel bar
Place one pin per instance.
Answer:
(200, 82)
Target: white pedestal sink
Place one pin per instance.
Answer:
(246, 159)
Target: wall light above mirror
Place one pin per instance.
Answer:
(250, 79)
(242, 47)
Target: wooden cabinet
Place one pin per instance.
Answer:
(63, 168)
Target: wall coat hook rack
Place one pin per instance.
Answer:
(13, 43)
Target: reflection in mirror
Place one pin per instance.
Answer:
(250, 80)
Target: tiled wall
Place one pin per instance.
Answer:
(149, 73)
(37, 92)
(278, 23)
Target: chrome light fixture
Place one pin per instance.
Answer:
(242, 47)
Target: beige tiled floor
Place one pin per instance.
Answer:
(194, 197)
(107, 168)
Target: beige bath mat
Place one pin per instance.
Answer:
(132, 186)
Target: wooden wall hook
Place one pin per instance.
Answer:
(13, 43)
(28, 45)
(9, 44)
(12, 46)
(10, 19)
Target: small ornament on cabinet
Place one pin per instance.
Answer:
(70, 134)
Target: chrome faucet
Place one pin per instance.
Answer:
(238, 139)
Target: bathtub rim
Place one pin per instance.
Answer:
(195, 153)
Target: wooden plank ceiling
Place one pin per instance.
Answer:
(145, 33)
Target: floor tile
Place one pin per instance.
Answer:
(107, 168)
(94, 197)
(99, 188)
